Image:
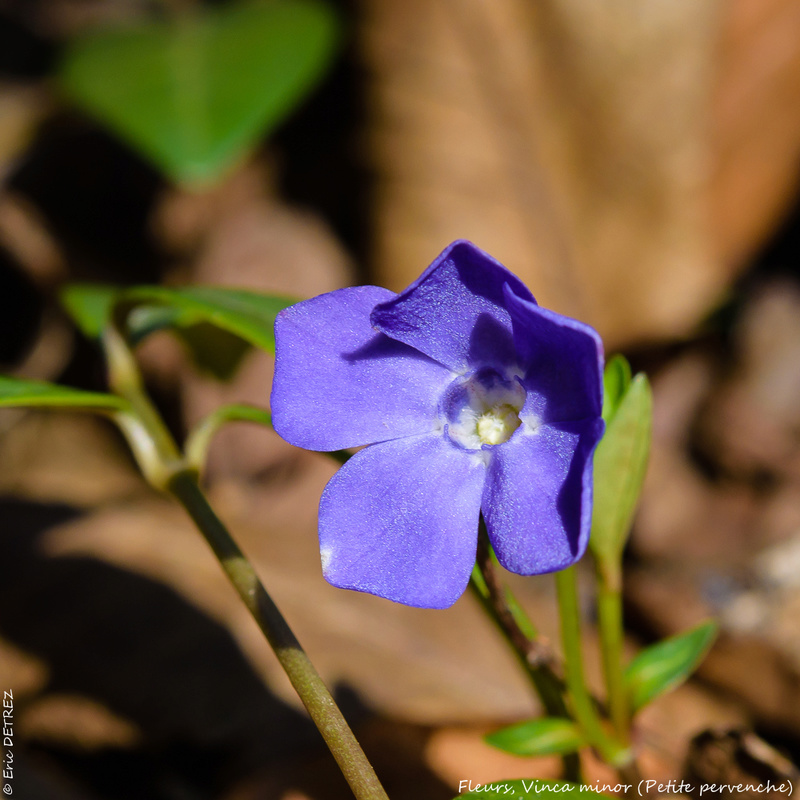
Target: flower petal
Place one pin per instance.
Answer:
(455, 311)
(538, 497)
(562, 359)
(400, 520)
(339, 383)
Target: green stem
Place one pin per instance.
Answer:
(609, 610)
(301, 672)
(583, 705)
(199, 440)
(167, 469)
(150, 440)
(535, 657)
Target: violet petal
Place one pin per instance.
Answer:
(455, 311)
(538, 497)
(400, 520)
(562, 361)
(339, 383)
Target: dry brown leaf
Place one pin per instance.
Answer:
(21, 109)
(755, 134)
(75, 721)
(565, 139)
(60, 457)
(624, 159)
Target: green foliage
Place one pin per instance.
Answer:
(90, 306)
(216, 324)
(667, 664)
(525, 788)
(15, 392)
(247, 315)
(195, 94)
(620, 461)
(616, 380)
(539, 737)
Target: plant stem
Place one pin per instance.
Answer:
(535, 657)
(167, 469)
(583, 705)
(609, 610)
(155, 450)
(199, 440)
(301, 672)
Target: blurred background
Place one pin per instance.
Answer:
(635, 162)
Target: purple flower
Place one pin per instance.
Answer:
(473, 400)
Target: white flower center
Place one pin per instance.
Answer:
(485, 411)
(497, 424)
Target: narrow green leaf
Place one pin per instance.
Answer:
(248, 315)
(667, 664)
(216, 324)
(90, 306)
(532, 787)
(616, 380)
(195, 94)
(144, 320)
(539, 737)
(25, 393)
(620, 464)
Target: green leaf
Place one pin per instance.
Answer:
(144, 320)
(526, 788)
(539, 737)
(14, 392)
(620, 464)
(90, 306)
(196, 93)
(247, 315)
(667, 664)
(216, 324)
(616, 380)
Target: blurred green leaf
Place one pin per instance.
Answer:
(616, 380)
(90, 306)
(539, 737)
(144, 320)
(25, 393)
(525, 789)
(247, 315)
(620, 464)
(212, 349)
(195, 94)
(216, 324)
(667, 664)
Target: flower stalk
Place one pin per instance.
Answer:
(301, 672)
(536, 659)
(609, 611)
(168, 470)
(582, 703)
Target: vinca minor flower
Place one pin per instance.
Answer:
(472, 399)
